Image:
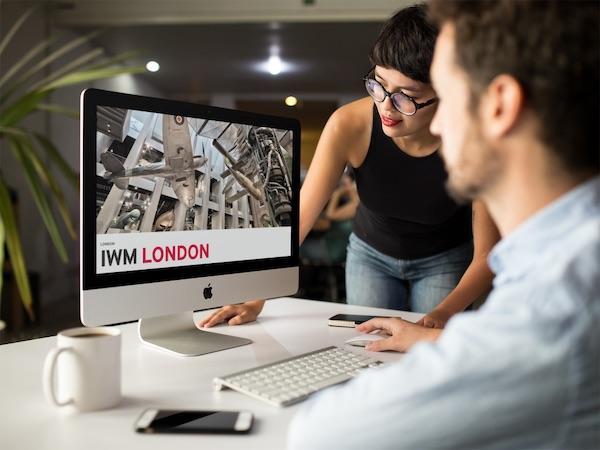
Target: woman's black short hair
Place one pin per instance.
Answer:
(406, 43)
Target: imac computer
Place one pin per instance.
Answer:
(183, 207)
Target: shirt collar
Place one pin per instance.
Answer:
(528, 239)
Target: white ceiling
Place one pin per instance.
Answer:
(201, 60)
(208, 47)
(146, 12)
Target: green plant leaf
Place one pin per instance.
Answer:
(39, 197)
(71, 175)
(46, 176)
(32, 53)
(21, 108)
(69, 112)
(112, 63)
(77, 63)
(91, 75)
(15, 28)
(47, 61)
(121, 57)
(2, 239)
(13, 131)
(13, 244)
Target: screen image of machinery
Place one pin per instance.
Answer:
(173, 190)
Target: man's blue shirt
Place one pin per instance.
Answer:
(522, 372)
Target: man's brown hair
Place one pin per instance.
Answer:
(552, 48)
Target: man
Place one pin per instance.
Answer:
(518, 88)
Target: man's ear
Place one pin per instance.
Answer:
(501, 106)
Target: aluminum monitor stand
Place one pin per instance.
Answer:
(178, 334)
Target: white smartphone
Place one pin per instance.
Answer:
(193, 421)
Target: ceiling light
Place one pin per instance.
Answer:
(274, 65)
(152, 66)
(291, 100)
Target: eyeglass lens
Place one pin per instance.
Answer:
(400, 101)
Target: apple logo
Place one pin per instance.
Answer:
(207, 292)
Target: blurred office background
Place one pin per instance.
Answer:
(242, 54)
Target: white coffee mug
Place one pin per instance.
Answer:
(88, 373)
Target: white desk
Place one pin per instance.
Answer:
(151, 378)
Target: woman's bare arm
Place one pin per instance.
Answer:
(477, 279)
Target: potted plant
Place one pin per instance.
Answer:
(21, 97)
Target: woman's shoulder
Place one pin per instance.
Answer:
(355, 115)
(351, 126)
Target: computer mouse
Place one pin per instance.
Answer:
(364, 339)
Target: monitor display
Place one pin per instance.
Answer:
(174, 191)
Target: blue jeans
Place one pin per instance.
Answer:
(418, 285)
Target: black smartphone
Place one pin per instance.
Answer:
(191, 421)
(348, 320)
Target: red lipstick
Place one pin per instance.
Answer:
(389, 122)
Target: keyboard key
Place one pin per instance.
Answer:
(330, 381)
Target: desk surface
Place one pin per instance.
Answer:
(152, 378)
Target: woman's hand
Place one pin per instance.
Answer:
(436, 318)
(234, 314)
(403, 334)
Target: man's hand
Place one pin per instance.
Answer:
(234, 314)
(403, 334)
(436, 318)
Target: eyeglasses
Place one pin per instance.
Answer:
(403, 103)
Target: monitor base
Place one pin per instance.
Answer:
(177, 334)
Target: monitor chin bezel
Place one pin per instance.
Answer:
(127, 303)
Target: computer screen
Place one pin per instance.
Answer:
(184, 206)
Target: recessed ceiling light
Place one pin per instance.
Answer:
(290, 100)
(152, 66)
(274, 65)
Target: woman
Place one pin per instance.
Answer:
(413, 247)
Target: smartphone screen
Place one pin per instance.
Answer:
(348, 320)
(351, 318)
(171, 421)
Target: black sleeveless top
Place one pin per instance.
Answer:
(405, 211)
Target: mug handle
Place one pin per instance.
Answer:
(49, 375)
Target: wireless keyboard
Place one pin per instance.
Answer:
(292, 380)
